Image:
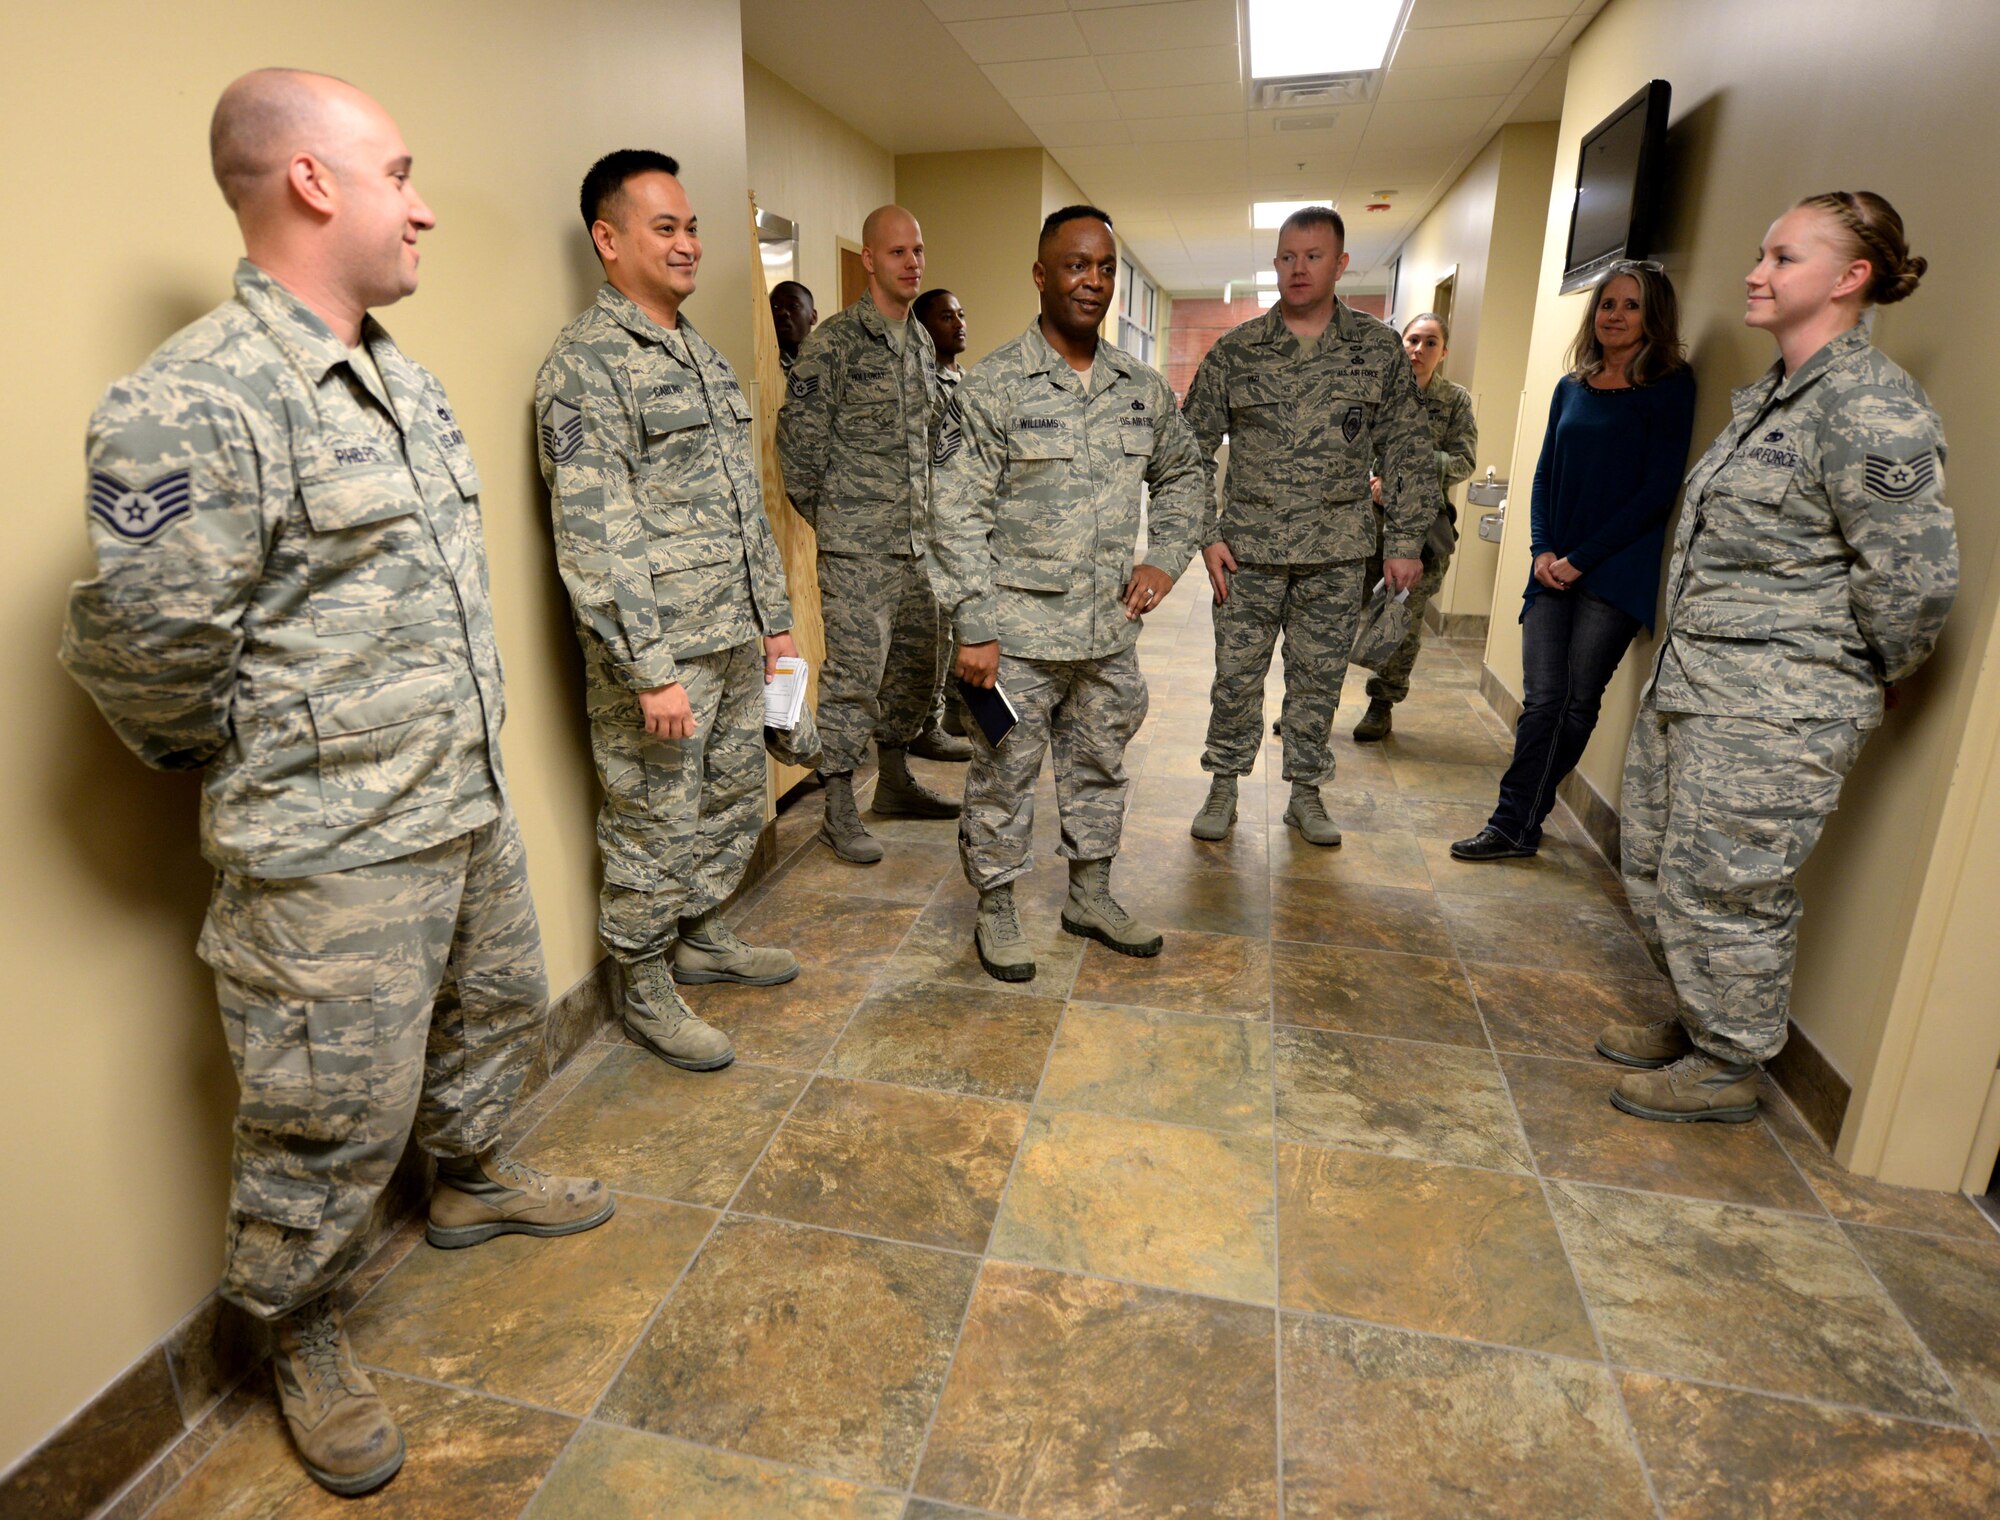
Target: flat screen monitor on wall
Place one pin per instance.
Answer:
(1616, 212)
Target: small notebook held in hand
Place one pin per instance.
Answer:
(991, 708)
(785, 694)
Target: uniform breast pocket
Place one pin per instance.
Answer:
(677, 438)
(1038, 453)
(1256, 405)
(371, 558)
(1138, 442)
(387, 746)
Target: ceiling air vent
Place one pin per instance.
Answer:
(1309, 90)
(1319, 121)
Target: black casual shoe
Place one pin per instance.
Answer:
(1488, 844)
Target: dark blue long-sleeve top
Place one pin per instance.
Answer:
(1611, 466)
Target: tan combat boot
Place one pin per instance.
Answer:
(1306, 812)
(658, 1019)
(997, 937)
(1218, 812)
(842, 831)
(710, 951)
(938, 742)
(898, 794)
(478, 1197)
(1695, 1088)
(1651, 1046)
(1376, 722)
(1094, 913)
(338, 1421)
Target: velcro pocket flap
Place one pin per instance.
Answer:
(739, 406)
(1746, 960)
(1020, 577)
(379, 704)
(662, 418)
(280, 1200)
(1138, 440)
(1025, 444)
(1737, 620)
(355, 497)
(333, 978)
(465, 473)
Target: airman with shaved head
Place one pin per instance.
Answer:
(291, 596)
(854, 439)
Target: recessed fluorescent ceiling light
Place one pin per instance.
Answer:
(1293, 37)
(1268, 277)
(1267, 214)
(1267, 298)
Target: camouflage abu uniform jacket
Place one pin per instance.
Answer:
(1306, 429)
(1448, 408)
(291, 590)
(1815, 558)
(661, 537)
(854, 436)
(1038, 506)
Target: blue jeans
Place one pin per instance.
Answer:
(1571, 642)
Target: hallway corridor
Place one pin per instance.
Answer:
(1322, 1212)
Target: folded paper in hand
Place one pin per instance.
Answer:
(1385, 623)
(785, 693)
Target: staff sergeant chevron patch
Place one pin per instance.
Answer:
(562, 431)
(139, 514)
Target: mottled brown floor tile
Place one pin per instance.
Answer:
(963, 1039)
(1716, 1454)
(1743, 1296)
(1384, 1423)
(1194, 973)
(1863, 1200)
(614, 1474)
(1435, 818)
(1555, 875)
(1386, 858)
(1445, 783)
(645, 1127)
(940, 949)
(1559, 1013)
(793, 1024)
(804, 1346)
(847, 932)
(1949, 1291)
(188, 1453)
(908, 872)
(1425, 1246)
(1153, 846)
(1559, 936)
(1157, 1203)
(1181, 797)
(926, 1167)
(1215, 902)
(1150, 1064)
(1359, 808)
(102, 1448)
(1366, 918)
(1396, 1098)
(470, 1458)
(1565, 1107)
(1074, 1398)
(1440, 741)
(544, 1321)
(1413, 997)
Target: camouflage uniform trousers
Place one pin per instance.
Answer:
(681, 817)
(883, 648)
(1318, 607)
(1086, 712)
(1392, 683)
(1718, 816)
(360, 1005)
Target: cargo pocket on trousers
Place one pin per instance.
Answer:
(275, 1247)
(1752, 983)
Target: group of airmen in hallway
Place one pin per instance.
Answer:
(291, 595)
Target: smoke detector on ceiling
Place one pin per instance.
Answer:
(1305, 90)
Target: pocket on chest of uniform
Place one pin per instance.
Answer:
(389, 746)
(1033, 446)
(371, 559)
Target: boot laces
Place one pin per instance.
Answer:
(1311, 806)
(1005, 918)
(519, 1175)
(1218, 804)
(319, 1350)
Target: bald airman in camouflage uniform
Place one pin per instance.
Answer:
(1306, 419)
(1038, 517)
(854, 440)
(291, 596)
(1814, 563)
(673, 576)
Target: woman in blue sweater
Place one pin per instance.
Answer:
(1611, 463)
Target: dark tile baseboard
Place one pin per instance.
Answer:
(1455, 625)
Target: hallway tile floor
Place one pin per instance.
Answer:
(1322, 1212)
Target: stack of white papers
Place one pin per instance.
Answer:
(785, 694)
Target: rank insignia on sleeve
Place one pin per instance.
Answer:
(562, 431)
(1350, 425)
(950, 439)
(1899, 479)
(803, 386)
(139, 514)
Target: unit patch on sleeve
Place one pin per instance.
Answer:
(562, 431)
(139, 514)
(1899, 479)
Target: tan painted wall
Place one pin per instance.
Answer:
(980, 212)
(115, 1108)
(809, 165)
(1843, 102)
(1489, 225)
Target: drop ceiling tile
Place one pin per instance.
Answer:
(983, 10)
(1046, 76)
(1139, 71)
(1180, 100)
(1016, 39)
(1425, 124)
(1146, 28)
(1219, 128)
(1428, 13)
(1064, 110)
(1490, 42)
(1082, 134)
(1543, 100)
(1451, 82)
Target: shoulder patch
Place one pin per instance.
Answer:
(803, 385)
(1899, 479)
(1350, 425)
(139, 514)
(562, 431)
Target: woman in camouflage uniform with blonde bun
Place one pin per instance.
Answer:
(1814, 566)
